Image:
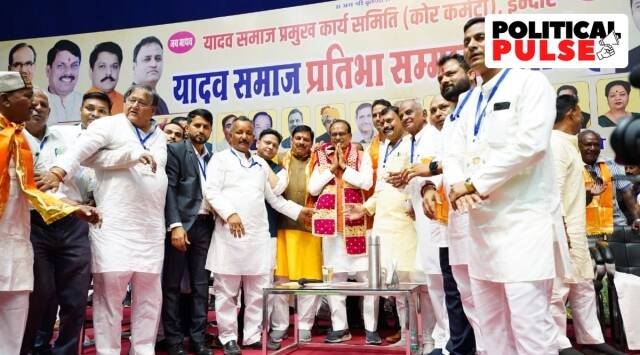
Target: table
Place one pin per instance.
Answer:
(405, 290)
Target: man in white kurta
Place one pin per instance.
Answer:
(129, 246)
(334, 250)
(578, 289)
(17, 189)
(240, 251)
(424, 145)
(501, 146)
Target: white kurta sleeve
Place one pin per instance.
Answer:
(362, 178)
(535, 113)
(283, 182)
(453, 156)
(97, 135)
(213, 188)
(561, 163)
(113, 159)
(286, 207)
(318, 180)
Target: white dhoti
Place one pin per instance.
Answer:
(110, 289)
(582, 297)
(226, 290)
(628, 287)
(14, 306)
(461, 275)
(515, 317)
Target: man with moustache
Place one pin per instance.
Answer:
(129, 246)
(174, 132)
(17, 191)
(237, 186)
(190, 221)
(425, 144)
(499, 156)
(147, 67)
(62, 253)
(298, 253)
(63, 68)
(104, 68)
(398, 240)
(227, 122)
(578, 289)
(464, 335)
(261, 121)
(22, 58)
(327, 115)
(377, 143)
(341, 175)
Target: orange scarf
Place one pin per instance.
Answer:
(14, 144)
(600, 210)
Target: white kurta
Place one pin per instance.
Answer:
(457, 228)
(397, 231)
(236, 184)
(431, 237)
(130, 197)
(16, 254)
(333, 249)
(65, 109)
(513, 230)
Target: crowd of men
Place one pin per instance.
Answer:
(486, 197)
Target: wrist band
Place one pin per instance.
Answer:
(428, 185)
(58, 175)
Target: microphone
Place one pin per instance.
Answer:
(634, 76)
(304, 281)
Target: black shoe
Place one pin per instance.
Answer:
(176, 350)
(273, 345)
(570, 351)
(199, 348)
(602, 348)
(232, 348)
(162, 345)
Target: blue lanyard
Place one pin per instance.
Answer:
(480, 114)
(456, 114)
(146, 138)
(386, 154)
(203, 167)
(253, 162)
(413, 144)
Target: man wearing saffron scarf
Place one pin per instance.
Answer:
(17, 190)
(341, 176)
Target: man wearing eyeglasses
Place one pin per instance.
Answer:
(236, 188)
(22, 58)
(129, 247)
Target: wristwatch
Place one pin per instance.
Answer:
(469, 185)
(433, 167)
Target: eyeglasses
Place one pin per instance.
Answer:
(132, 101)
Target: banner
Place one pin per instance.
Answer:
(285, 66)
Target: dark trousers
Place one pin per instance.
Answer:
(461, 338)
(62, 271)
(174, 263)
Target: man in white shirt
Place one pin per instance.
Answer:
(342, 171)
(578, 289)
(190, 222)
(17, 191)
(500, 146)
(62, 254)
(425, 145)
(236, 188)
(63, 68)
(131, 190)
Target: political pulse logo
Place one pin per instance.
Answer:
(556, 41)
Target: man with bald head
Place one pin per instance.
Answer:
(17, 190)
(439, 109)
(237, 186)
